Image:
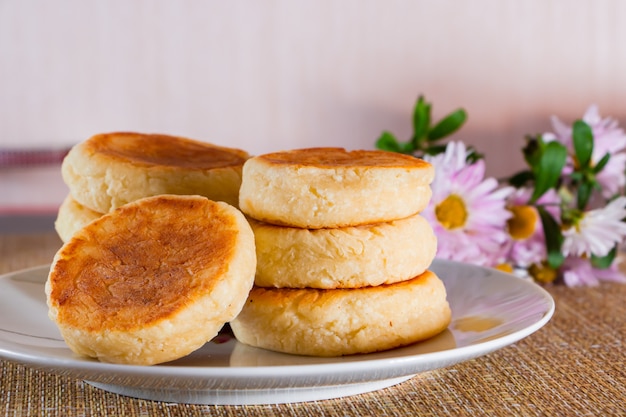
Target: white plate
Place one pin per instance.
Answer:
(490, 310)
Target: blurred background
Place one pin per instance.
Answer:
(272, 75)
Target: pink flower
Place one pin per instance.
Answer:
(597, 231)
(580, 272)
(524, 251)
(608, 138)
(467, 210)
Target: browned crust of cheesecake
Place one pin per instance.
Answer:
(340, 157)
(141, 264)
(109, 170)
(163, 150)
(153, 280)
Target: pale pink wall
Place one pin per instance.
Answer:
(268, 75)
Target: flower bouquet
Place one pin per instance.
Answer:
(559, 220)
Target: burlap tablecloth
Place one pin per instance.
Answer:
(572, 366)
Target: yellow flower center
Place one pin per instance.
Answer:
(505, 267)
(523, 223)
(451, 212)
(542, 273)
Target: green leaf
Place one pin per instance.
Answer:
(583, 193)
(448, 125)
(473, 155)
(602, 163)
(577, 176)
(521, 178)
(583, 143)
(554, 238)
(548, 168)
(421, 121)
(603, 262)
(532, 150)
(388, 142)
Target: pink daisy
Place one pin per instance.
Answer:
(597, 231)
(608, 138)
(467, 211)
(528, 246)
(579, 272)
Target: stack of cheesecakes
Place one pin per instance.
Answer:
(342, 253)
(109, 170)
(151, 267)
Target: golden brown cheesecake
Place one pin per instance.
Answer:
(112, 169)
(332, 187)
(153, 280)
